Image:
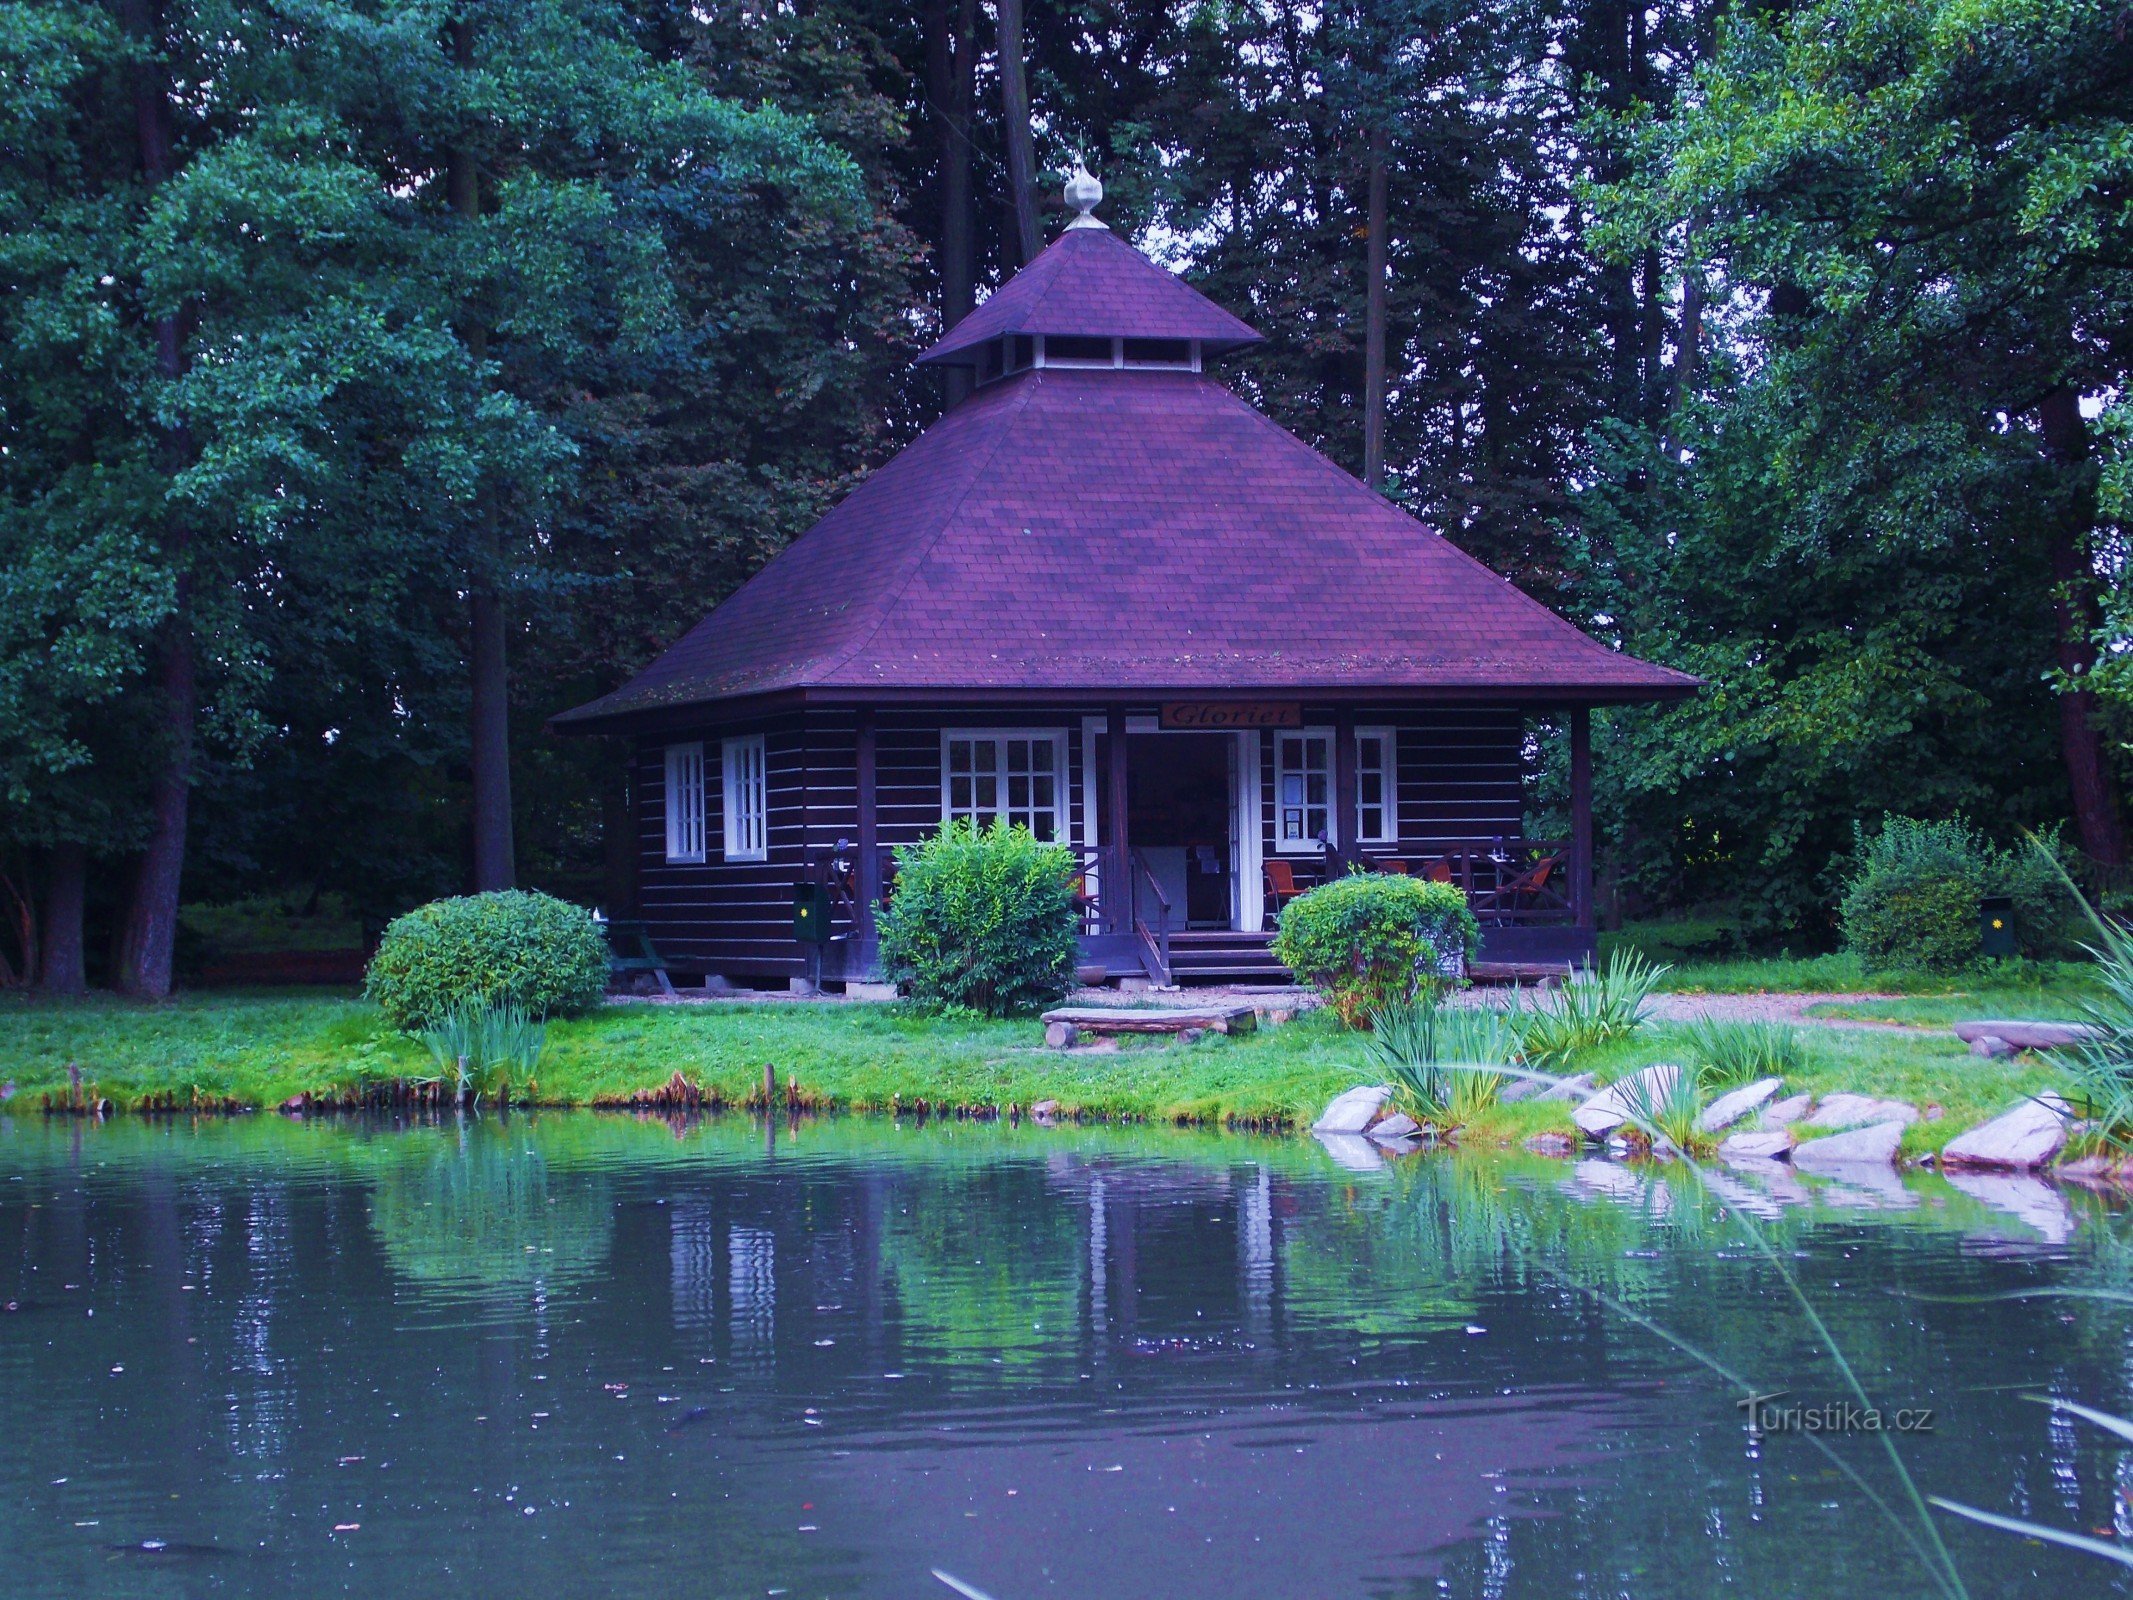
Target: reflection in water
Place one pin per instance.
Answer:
(603, 1355)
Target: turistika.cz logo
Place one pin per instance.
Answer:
(1767, 1415)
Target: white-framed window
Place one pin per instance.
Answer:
(685, 802)
(1303, 790)
(747, 797)
(1018, 774)
(1377, 785)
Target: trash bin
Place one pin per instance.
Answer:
(1995, 927)
(811, 913)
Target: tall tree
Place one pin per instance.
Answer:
(1015, 128)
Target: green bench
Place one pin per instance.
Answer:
(630, 949)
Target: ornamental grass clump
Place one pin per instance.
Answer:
(1728, 1053)
(481, 1048)
(1445, 1063)
(1588, 1009)
(1372, 940)
(514, 948)
(982, 920)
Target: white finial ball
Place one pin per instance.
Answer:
(1083, 193)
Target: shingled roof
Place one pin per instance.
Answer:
(1137, 532)
(1089, 282)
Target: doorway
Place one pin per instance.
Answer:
(1178, 818)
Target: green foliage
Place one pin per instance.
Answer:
(982, 920)
(514, 948)
(1441, 1059)
(1913, 898)
(1371, 939)
(1589, 1009)
(1666, 1108)
(2102, 1067)
(1730, 1052)
(481, 1048)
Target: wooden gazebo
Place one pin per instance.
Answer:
(1105, 597)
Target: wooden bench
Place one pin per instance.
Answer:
(1064, 1027)
(630, 949)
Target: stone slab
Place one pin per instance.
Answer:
(1354, 1111)
(2018, 1140)
(1736, 1104)
(1873, 1146)
(1787, 1111)
(1610, 1108)
(1770, 1145)
(2024, 1034)
(1860, 1110)
(1155, 1019)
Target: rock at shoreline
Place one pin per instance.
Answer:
(1045, 1112)
(1787, 1111)
(1770, 1145)
(1857, 1110)
(1576, 1088)
(1398, 1126)
(1610, 1108)
(1860, 1147)
(1552, 1144)
(1736, 1104)
(2018, 1140)
(1354, 1111)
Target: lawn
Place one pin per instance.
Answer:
(260, 1049)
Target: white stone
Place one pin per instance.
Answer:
(1874, 1146)
(1735, 1104)
(1991, 1046)
(1351, 1112)
(1610, 1108)
(2027, 1136)
(1857, 1110)
(1387, 1130)
(1766, 1146)
(1787, 1111)
(872, 992)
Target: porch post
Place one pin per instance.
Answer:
(1581, 816)
(867, 889)
(1117, 880)
(1343, 829)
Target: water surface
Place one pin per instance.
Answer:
(600, 1355)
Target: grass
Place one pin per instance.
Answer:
(260, 1049)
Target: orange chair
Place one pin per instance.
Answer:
(1280, 884)
(1528, 885)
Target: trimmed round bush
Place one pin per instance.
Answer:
(1373, 939)
(1912, 902)
(982, 920)
(514, 947)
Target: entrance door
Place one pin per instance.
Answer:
(1178, 818)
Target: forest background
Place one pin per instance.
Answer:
(378, 379)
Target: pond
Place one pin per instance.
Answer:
(601, 1355)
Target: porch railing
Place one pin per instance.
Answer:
(1509, 882)
(1154, 942)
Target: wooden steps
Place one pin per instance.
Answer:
(1220, 956)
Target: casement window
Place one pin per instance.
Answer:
(1303, 790)
(1019, 775)
(1377, 786)
(747, 797)
(685, 802)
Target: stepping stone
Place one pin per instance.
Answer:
(1609, 1109)
(1787, 1111)
(1856, 1110)
(1769, 1146)
(1392, 1129)
(2026, 1035)
(1860, 1147)
(1576, 1088)
(2018, 1140)
(1735, 1104)
(1352, 1112)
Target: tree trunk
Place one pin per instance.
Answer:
(1021, 154)
(148, 936)
(63, 970)
(2081, 741)
(951, 87)
(1374, 255)
(1689, 355)
(488, 673)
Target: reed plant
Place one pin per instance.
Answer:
(1589, 1009)
(1730, 1052)
(1445, 1062)
(2102, 1065)
(480, 1047)
(1667, 1108)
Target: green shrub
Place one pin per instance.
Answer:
(1372, 939)
(514, 948)
(982, 920)
(1912, 902)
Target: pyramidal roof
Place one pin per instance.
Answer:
(1090, 282)
(1121, 531)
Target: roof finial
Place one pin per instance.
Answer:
(1084, 194)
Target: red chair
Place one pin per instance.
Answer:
(1280, 884)
(1528, 887)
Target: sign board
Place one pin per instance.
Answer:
(1223, 715)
